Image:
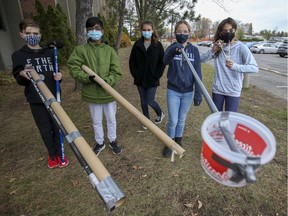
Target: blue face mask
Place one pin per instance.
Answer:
(94, 35)
(32, 40)
(147, 34)
(181, 38)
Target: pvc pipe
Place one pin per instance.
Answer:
(170, 143)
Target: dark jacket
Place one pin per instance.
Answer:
(146, 66)
(43, 62)
(180, 77)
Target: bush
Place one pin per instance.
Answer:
(54, 27)
(125, 41)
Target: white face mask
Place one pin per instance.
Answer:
(94, 35)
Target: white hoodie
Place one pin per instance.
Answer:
(229, 81)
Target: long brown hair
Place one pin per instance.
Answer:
(217, 35)
(154, 34)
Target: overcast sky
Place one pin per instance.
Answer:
(263, 14)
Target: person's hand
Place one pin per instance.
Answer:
(229, 63)
(91, 78)
(177, 48)
(27, 68)
(23, 73)
(57, 76)
(197, 102)
(217, 46)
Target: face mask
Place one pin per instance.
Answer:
(147, 34)
(227, 37)
(32, 40)
(181, 38)
(95, 35)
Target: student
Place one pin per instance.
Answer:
(42, 60)
(103, 60)
(182, 88)
(231, 60)
(146, 67)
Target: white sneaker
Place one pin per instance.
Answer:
(159, 119)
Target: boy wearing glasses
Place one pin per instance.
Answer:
(103, 60)
(231, 60)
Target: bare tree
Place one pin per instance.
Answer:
(83, 12)
(121, 9)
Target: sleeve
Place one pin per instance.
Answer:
(75, 61)
(169, 54)
(115, 70)
(249, 64)
(198, 92)
(17, 67)
(161, 65)
(132, 62)
(207, 56)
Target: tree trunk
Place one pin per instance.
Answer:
(83, 12)
(122, 4)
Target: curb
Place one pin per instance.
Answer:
(273, 71)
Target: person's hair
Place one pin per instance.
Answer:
(154, 34)
(182, 22)
(92, 21)
(28, 23)
(217, 35)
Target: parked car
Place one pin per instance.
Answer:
(283, 49)
(205, 43)
(250, 44)
(264, 48)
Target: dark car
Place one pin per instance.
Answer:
(282, 49)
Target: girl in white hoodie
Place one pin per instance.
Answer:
(231, 60)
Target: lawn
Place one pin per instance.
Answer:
(153, 185)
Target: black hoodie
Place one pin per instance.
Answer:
(43, 62)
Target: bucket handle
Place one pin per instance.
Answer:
(243, 171)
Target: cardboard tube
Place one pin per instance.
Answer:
(170, 143)
(92, 160)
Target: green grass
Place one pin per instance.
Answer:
(153, 186)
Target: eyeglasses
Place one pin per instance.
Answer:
(225, 31)
(97, 28)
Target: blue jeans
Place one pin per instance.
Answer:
(231, 103)
(178, 107)
(147, 97)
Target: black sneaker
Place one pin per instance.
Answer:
(159, 119)
(98, 148)
(115, 148)
(166, 152)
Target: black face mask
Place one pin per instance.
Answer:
(227, 37)
(181, 38)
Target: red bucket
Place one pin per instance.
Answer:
(252, 138)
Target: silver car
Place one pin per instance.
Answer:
(264, 48)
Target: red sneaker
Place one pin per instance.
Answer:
(61, 165)
(52, 163)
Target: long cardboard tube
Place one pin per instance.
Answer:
(92, 160)
(170, 143)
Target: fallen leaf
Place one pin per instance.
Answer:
(74, 183)
(199, 204)
(12, 180)
(13, 192)
(188, 205)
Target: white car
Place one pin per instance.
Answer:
(264, 48)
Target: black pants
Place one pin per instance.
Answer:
(48, 129)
